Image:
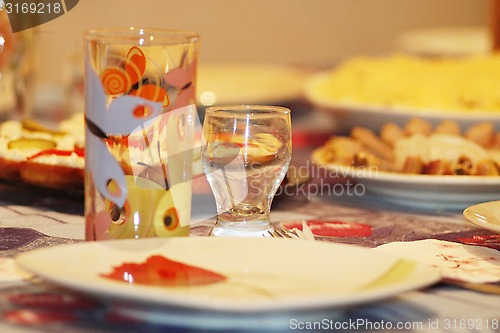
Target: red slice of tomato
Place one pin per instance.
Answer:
(53, 151)
(160, 271)
(334, 228)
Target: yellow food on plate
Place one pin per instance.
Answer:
(32, 154)
(465, 85)
(417, 148)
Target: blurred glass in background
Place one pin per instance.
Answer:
(17, 62)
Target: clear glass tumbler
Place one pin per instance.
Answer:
(246, 155)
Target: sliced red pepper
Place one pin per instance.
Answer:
(53, 151)
(158, 270)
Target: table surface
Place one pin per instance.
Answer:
(31, 219)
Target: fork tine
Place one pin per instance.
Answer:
(281, 233)
(275, 233)
(285, 233)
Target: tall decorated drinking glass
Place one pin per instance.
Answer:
(140, 120)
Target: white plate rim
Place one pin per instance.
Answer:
(423, 192)
(30, 261)
(410, 179)
(480, 215)
(286, 74)
(390, 111)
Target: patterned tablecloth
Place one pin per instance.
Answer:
(31, 219)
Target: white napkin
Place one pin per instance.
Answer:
(304, 234)
(454, 261)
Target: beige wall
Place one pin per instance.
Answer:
(315, 32)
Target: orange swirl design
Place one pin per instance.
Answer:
(136, 64)
(115, 81)
(127, 79)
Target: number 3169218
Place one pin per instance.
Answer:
(33, 8)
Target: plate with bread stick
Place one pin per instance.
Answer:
(441, 166)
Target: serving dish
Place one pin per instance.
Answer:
(429, 192)
(346, 115)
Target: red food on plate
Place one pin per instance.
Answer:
(160, 271)
(332, 228)
(33, 154)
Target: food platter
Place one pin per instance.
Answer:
(347, 114)
(39, 157)
(429, 192)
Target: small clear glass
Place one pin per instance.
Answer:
(245, 157)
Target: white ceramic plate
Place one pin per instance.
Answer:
(485, 215)
(429, 192)
(348, 115)
(446, 41)
(263, 275)
(240, 83)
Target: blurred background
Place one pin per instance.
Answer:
(309, 35)
(312, 33)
